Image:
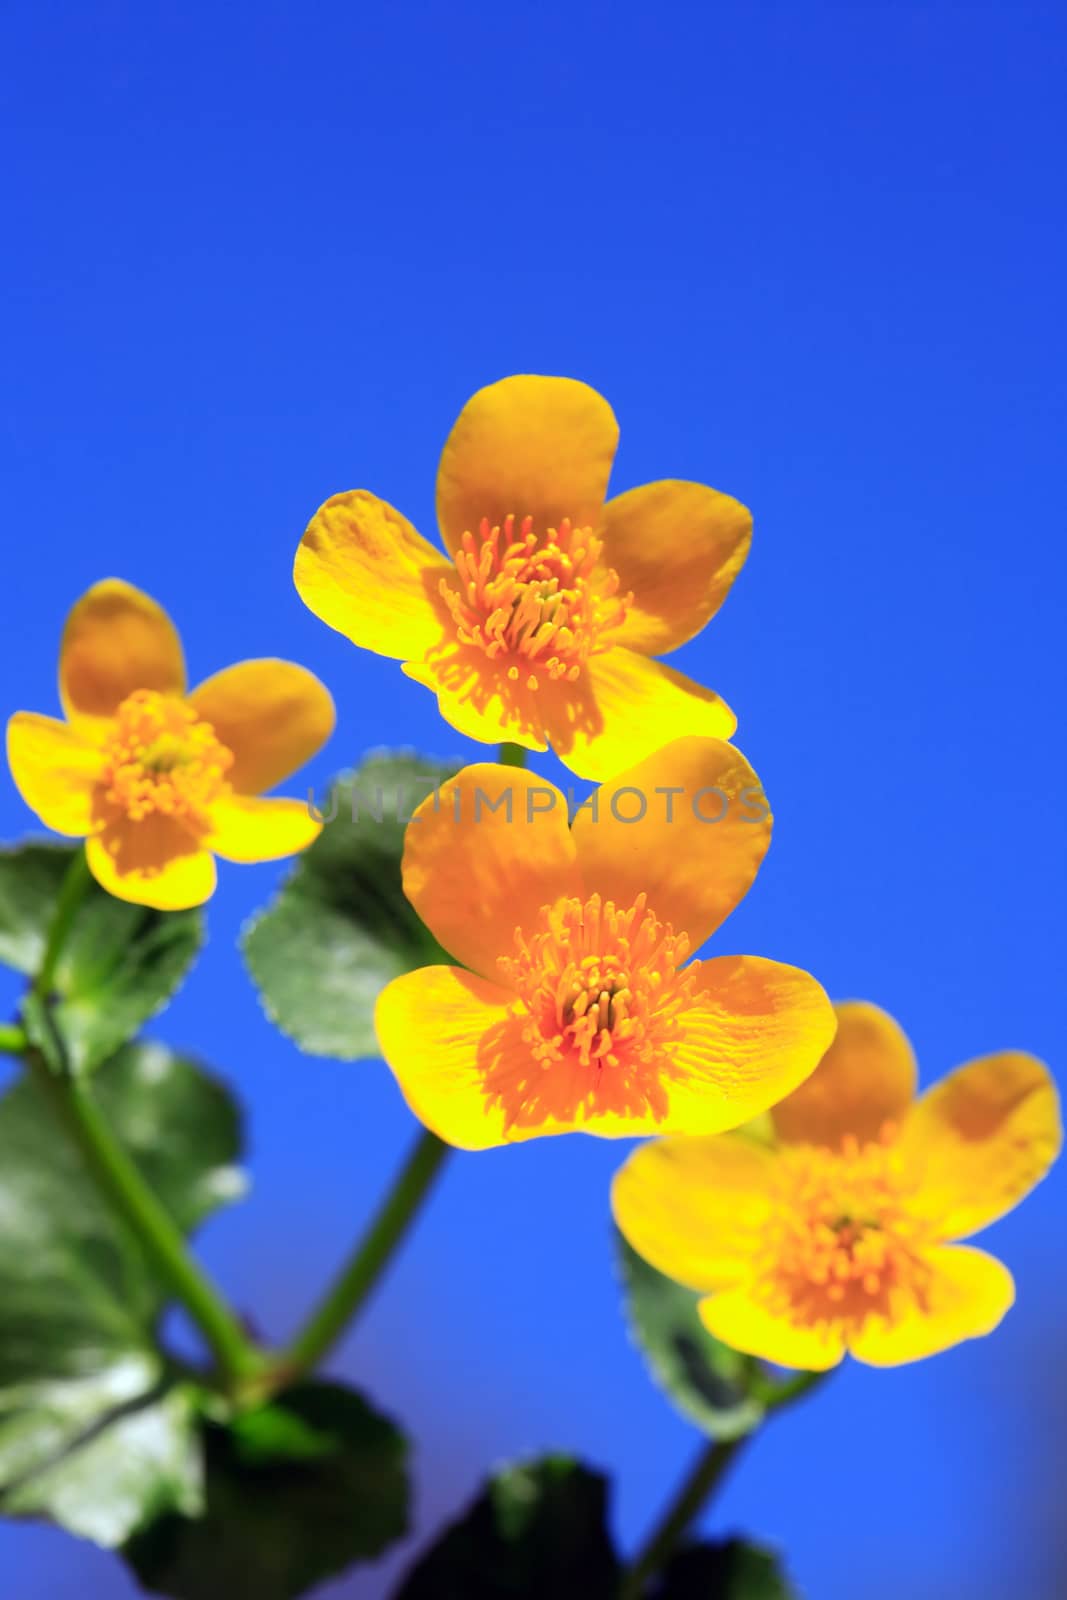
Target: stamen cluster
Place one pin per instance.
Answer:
(542, 604)
(161, 757)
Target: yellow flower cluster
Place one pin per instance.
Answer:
(796, 1181)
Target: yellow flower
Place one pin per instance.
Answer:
(541, 625)
(835, 1236)
(160, 781)
(580, 1011)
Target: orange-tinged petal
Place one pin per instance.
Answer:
(529, 447)
(54, 771)
(694, 851)
(272, 715)
(247, 828)
(155, 863)
(362, 568)
(966, 1296)
(476, 698)
(695, 1209)
(865, 1080)
(981, 1139)
(756, 1030)
(117, 639)
(432, 1025)
(482, 857)
(740, 1319)
(625, 707)
(677, 547)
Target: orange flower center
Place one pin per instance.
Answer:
(600, 998)
(161, 757)
(846, 1242)
(540, 604)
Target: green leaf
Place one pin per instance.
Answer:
(95, 1432)
(296, 1493)
(716, 1387)
(729, 1570)
(342, 927)
(120, 965)
(538, 1529)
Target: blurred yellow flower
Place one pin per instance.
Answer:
(835, 1236)
(160, 781)
(541, 625)
(580, 1011)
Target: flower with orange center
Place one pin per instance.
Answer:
(160, 781)
(577, 1007)
(541, 624)
(838, 1234)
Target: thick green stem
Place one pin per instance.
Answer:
(12, 1039)
(129, 1196)
(512, 755)
(71, 894)
(707, 1473)
(361, 1273)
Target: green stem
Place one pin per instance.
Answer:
(71, 894)
(363, 1270)
(707, 1473)
(12, 1039)
(512, 755)
(122, 1186)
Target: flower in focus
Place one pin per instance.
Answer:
(837, 1235)
(580, 1009)
(160, 781)
(540, 625)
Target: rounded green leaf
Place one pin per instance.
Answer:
(341, 926)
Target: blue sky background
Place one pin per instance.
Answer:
(814, 255)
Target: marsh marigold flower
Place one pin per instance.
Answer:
(160, 781)
(839, 1235)
(541, 624)
(576, 1006)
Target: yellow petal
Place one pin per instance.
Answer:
(677, 547)
(695, 851)
(756, 1030)
(740, 1319)
(432, 1027)
(696, 1209)
(981, 1139)
(116, 640)
(483, 856)
(362, 568)
(246, 828)
(624, 708)
(476, 698)
(153, 863)
(527, 446)
(272, 715)
(54, 771)
(967, 1295)
(865, 1079)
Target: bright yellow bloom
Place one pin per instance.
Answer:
(580, 1010)
(541, 625)
(836, 1236)
(159, 781)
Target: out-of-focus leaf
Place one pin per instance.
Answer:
(120, 964)
(94, 1432)
(712, 1385)
(731, 1569)
(296, 1493)
(341, 926)
(538, 1529)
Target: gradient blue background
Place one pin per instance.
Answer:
(813, 254)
